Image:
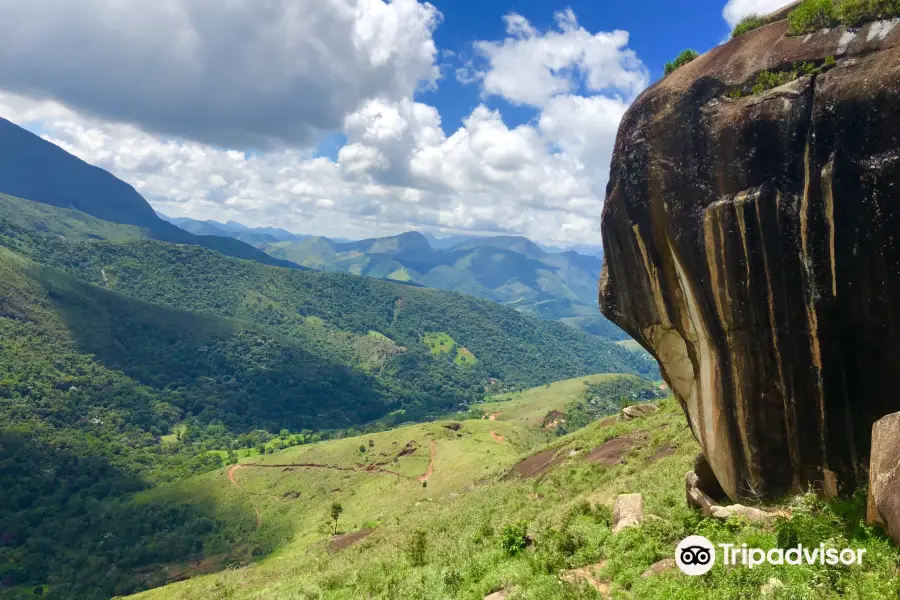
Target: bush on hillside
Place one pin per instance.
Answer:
(681, 60)
(747, 24)
(416, 548)
(514, 537)
(813, 15)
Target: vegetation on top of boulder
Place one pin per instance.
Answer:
(767, 80)
(813, 15)
(682, 59)
(749, 23)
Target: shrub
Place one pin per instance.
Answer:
(452, 578)
(747, 24)
(681, 60)
(817, 14)
(416, 548)
(811, 16)
(768, 80)
(514, 537)
(851, 12)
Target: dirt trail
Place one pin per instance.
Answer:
(231, 475)
(372, 469)
(234, 482)
(339, 542)
(430, 470)
(498, 437)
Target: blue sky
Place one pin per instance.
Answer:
(352, 118)
(659, 30)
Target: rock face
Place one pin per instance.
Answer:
(752, 246)
(884, 476)
(628, 511)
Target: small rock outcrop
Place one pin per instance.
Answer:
(771, 588)
(638, 410)
(696, 498)
(628, 511)
(884, 476)
(754, 515)
(751, 245)
(666, 564)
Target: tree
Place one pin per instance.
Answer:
(681, 60)
(336, 510)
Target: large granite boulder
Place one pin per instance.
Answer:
(752, 246)
(884, 475)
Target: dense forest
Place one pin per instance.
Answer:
(127, 362)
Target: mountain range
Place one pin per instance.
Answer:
(511, 270)
(33, 168)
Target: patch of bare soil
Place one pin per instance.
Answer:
(494, 416)
(553, 419)
(661, 452)
(536, 465)
(611, 453)
(430, 470)
(345, 540)
(497, 437)
(409, 448)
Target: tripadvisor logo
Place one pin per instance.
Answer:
(696, 555)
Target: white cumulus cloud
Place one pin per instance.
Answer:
(400, 168)
(736, 10)
(233, 73)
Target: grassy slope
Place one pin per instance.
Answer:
(529, 407)
(72, 224)
(468, 501)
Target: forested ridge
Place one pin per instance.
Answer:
(127, 362)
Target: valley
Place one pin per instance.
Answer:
(512, 270)
(130, 364)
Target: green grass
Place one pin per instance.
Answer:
(748, 24)
(464, 357)
(682, 59)
(529, 408)
(71, 224)
(631, 345)
(440, 343)
(400, 274)
(813, 15)
(471, 516)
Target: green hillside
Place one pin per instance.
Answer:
(33, 168)
(126, 363)
(502, 511)
(512, 347)
(506, 269)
